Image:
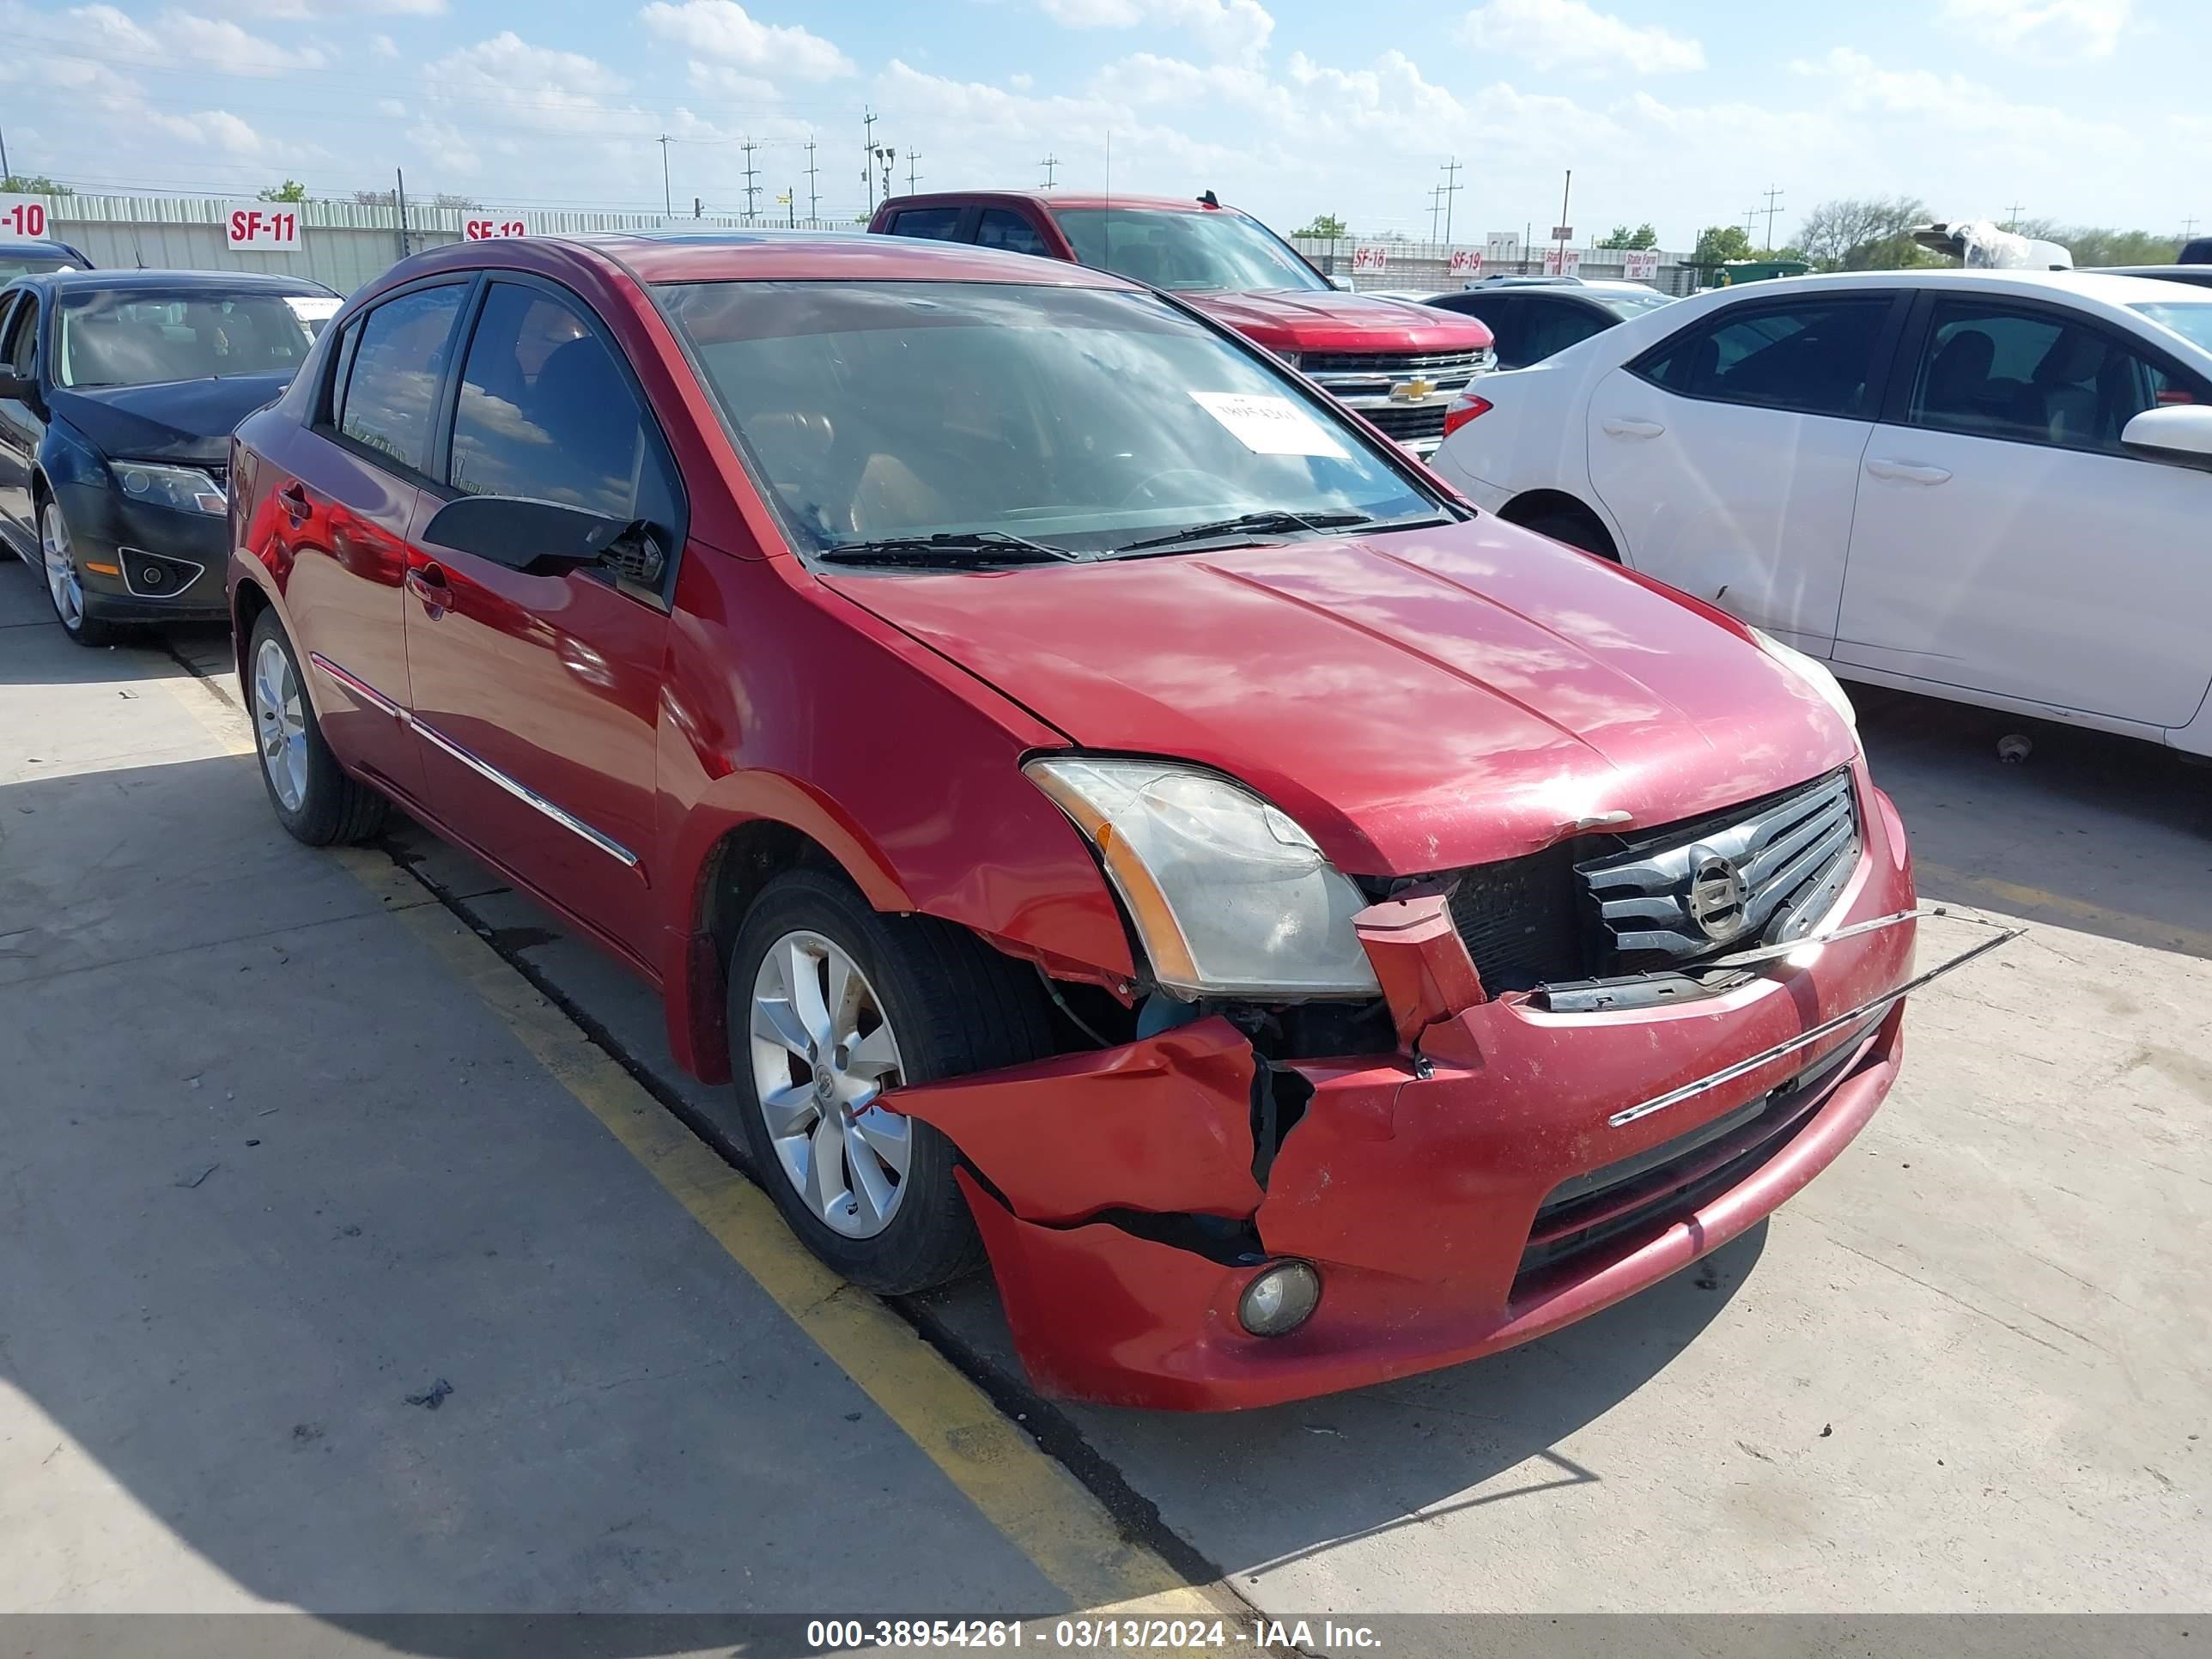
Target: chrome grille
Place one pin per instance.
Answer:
(1365, 380)
(1785, 857)
(1434, 364)
(1406, 423)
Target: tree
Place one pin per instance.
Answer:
(290, 190)
(1642, 236)
(1326, 225)
(33, 183)
(1865, 234)
(1716, 244)
(2093, 247)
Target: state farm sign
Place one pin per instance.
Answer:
(22, 219)
(263, 230)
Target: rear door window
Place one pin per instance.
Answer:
(940, 224)
(1555, 325)
(998, 227)
(2031, 376)
(545, 412)
(1814, 357)
(399, 358)
(22, 347)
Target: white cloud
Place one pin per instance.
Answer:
(334, 11)
(223, 43)
(1566, 34)
(1967, 109)
(1227, 28)
(384, 46)
(2091, 27)
(217, 129)
(723, 30)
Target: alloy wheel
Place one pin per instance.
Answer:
(822, 1054)
(280, 724)
(62, 581)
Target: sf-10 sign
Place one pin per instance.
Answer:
(263, 229)
(490, 230)
(22, 219)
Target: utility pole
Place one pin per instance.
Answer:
(2188, 225)
(1049, 162)
(399, 203)
(667, 205)
(6, 172)
(752, 189)
(2013, 223)
(868, 155)
(1565, 227)
(1450, 187)
(912, 177)
(813, 195)
(1435, 209)
(1750, 218)
(1773, 202)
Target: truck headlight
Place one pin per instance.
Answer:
(1811, 669)
(184, 488)
(1230, 896)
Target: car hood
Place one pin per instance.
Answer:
(176, 420)
(1419, 700)
(1326, 320)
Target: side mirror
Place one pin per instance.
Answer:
(2180, 432)
(544, 538)
(21, 388)
(1343, 284)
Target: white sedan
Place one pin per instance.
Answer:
(1993, 486)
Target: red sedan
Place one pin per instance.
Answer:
(1100, 805)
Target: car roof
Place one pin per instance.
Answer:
(1058, 199)
(2111, 288)
(762, 255)
(230, 282)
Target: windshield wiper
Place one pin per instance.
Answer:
(1272, 523)
(948, 547)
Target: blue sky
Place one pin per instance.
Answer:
(2086, 111)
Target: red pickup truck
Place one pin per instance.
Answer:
(1398, 363)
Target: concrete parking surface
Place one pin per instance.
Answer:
(325, 1284)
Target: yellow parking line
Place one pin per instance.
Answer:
(1938, 882)
(1042, 1509)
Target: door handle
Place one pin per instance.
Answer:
(1908, 471)
(1620, 427)
(428, 583)
(294, 501)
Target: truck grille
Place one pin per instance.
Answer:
(1597, 906)
(1362, 380)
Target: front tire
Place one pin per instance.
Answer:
(313, 796)
(831, 1004)
(65, 582)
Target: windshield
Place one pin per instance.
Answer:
(142, 336)
(1215, 248)
(1085, 419)
(1624, 306)
(20, 262)
(2192, 321)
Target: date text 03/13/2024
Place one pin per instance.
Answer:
(1164, 1635)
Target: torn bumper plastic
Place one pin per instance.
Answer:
(1453, 1207)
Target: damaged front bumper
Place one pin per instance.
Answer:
(1478, 1189)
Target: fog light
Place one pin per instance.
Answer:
(1279, 1300)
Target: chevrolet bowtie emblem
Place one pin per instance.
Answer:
(1412, 392)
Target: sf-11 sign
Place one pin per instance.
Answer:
(263, 230)
(490, 230)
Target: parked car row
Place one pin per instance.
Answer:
(1992, 486)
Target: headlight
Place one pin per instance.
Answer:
(186, 489)
(1811, 669)
(1230, 896)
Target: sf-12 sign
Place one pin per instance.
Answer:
(1371, 258)
(1467, 262)
(22, 219)
(490, 230)
(1640, 264)
(263, 229)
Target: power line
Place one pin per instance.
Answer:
(1049, 162)
(1773, 202)
(1450, 187)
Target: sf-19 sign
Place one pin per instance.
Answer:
(263, 229)
(22, 219)
(490, 230)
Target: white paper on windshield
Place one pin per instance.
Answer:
(1268, 426)
(313, 307)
